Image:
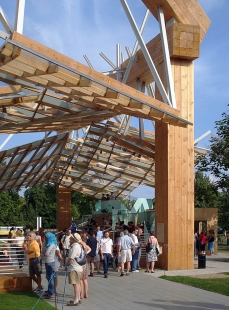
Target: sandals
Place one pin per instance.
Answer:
(121, 274)
(72, 303)
(146, 271)
(48, 296)
(152, 271)
(127, 274)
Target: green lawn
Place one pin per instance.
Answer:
(22, 300)
(217, 285)
(223, 249)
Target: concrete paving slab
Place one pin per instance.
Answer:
(146, 291)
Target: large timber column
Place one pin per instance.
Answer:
(174, 175)
(63, 212)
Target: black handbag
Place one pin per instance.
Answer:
(148, 247)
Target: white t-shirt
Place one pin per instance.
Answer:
(134, 238)
(19, 241)
(106, 244)
(74, 251)
(66, 241)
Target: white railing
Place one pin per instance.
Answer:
(9, 227)
(82, 224)
(12, 257)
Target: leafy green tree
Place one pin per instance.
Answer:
(223, 210)
(217, 161)
(83, 203)
(41, 201)
(75, 212)
(11, 209)
(206, 192)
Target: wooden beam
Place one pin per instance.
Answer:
(9, 90)
(96, 83)
(184, 11)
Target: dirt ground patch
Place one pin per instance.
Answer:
(211, 275)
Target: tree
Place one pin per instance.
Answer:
(83, 203)
(223, 210)
(11, 204)
(217, 161)
(206, 192)
(41, 201)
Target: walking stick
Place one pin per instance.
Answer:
(64, 289)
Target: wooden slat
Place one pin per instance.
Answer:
(9, 90)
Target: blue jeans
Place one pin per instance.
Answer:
(65, 255)
(135, 259)
(106, 262)
(139, 257)
(49, 275)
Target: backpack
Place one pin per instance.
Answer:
(73, 228)
(82, 259)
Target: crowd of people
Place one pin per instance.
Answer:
(201, 240)
(101, 250)
(108, 197)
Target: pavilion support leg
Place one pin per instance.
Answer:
(174, 177)
(63, 216)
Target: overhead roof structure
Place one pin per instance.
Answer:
(31, 163)
(103, 161)
(47, 91)
(52, 90)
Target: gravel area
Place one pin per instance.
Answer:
(212, 275)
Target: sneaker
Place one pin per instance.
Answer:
(135, 270)
(105, 276)
(38, 290)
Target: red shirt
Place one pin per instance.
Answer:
(203, 239)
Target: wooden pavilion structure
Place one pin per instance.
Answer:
(46, 91)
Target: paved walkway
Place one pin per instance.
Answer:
(146, 291)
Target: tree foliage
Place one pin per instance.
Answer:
(206, 192)
(223, 211)
(82, 203)
(39, 200)
(11, 205)
(217, 161)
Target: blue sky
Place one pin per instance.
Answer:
(78, 27)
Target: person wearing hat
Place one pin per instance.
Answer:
(49, 253)
(73, 269)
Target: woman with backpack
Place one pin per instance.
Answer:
(84, 276)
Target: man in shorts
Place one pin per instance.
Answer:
(124, 249)
(32, 248)
(73, 269)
